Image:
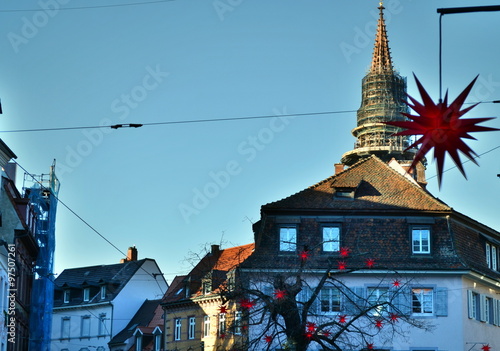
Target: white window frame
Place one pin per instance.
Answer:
(331, 238)
(101, 329)
(222, 324)
(288, 238)
(86, 294)
(66, 296)
(177, 329)
(138, 342)
(191, 327)
(417, 237)
(488, 255)
(425, 293)
(376, 295)
(238, 325)
(206, 326)
(158, 342)
(103, 292)
(494, 258)
(330, 297)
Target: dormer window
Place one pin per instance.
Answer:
(66, 296)
(344, 193)
(206, 286)
(86, 294)
(103, 292)
(421, 240)
(492, 256)
(288, 238)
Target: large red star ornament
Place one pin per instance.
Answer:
(222, 309)
(442, 128)
(486, 347)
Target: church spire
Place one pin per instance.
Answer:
(381, 61)
(383, 96)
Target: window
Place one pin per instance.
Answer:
(421, 240)
(192, 327)
(158, 342)
(66, 296)
(85, 327)
(238, 325)
(65, 324)
(222, 323)
(206, 326)
(330, 300)
(177, 328)
(103, 292)
(138, 342)
(488, 255)
(86, 294)
(378, 297)
(288, 239)
(473, 299)
(422, 301)
(331, 239)
(487, 310)
(101, 328)
(491, 256)
(207, 287)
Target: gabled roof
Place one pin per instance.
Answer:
(376, 186)
(216, 263)
(139, 322)
(112, 275)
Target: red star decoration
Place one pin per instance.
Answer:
(310, 327)
(379, 324)
(396, 283)
(279, 294)
(222, 309)
(344, 251)
(393, 317)
(486, 347)
(222, 336)
(268, 339)
(309, 335)
(326, 333)
(246, 304)
(441, 128)
(304, 255)
(370, 262)
(342, 318)
(342, 265)
(369, 346)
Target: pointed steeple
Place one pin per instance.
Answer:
(383, 96)
(381, 61)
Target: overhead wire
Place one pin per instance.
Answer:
(89, 7)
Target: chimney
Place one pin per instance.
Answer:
(131, 255)
(11, 170)
(339, 167)
(215, 249)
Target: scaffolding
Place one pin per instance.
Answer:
(43, 198)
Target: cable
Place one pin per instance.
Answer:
(90, 226)
(137, 125)
(91, 7)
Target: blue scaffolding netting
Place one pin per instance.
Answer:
(43, 198)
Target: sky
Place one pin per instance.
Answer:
(172, 188)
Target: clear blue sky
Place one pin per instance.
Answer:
(190, 60)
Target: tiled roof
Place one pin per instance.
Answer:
(217, 262)
(114, 276)
(377, 187)
(141, 319)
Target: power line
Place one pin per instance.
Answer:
(192, 121)
(90, 7)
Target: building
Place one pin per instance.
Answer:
(144, 331)
(93, 304)
(374, 220)
(196, 316)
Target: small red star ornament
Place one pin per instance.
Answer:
(342, 265)
(222, 309)
(379, 324)
(393, 317)
(344, 251)
(310, 327)
(370, 262)
(396, 283)
(486, 347)
(342, 318)
(304, 255)
(268, 339)
(222, 336)
(246, 304)
(279, 294)
(442, 128)
(369, 346)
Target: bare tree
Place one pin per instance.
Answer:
(304, 306)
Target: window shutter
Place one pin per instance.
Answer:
(402, 301)
(353, 299)
(441, 302)
(470, 303)
(495, 311)
(482, 307)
